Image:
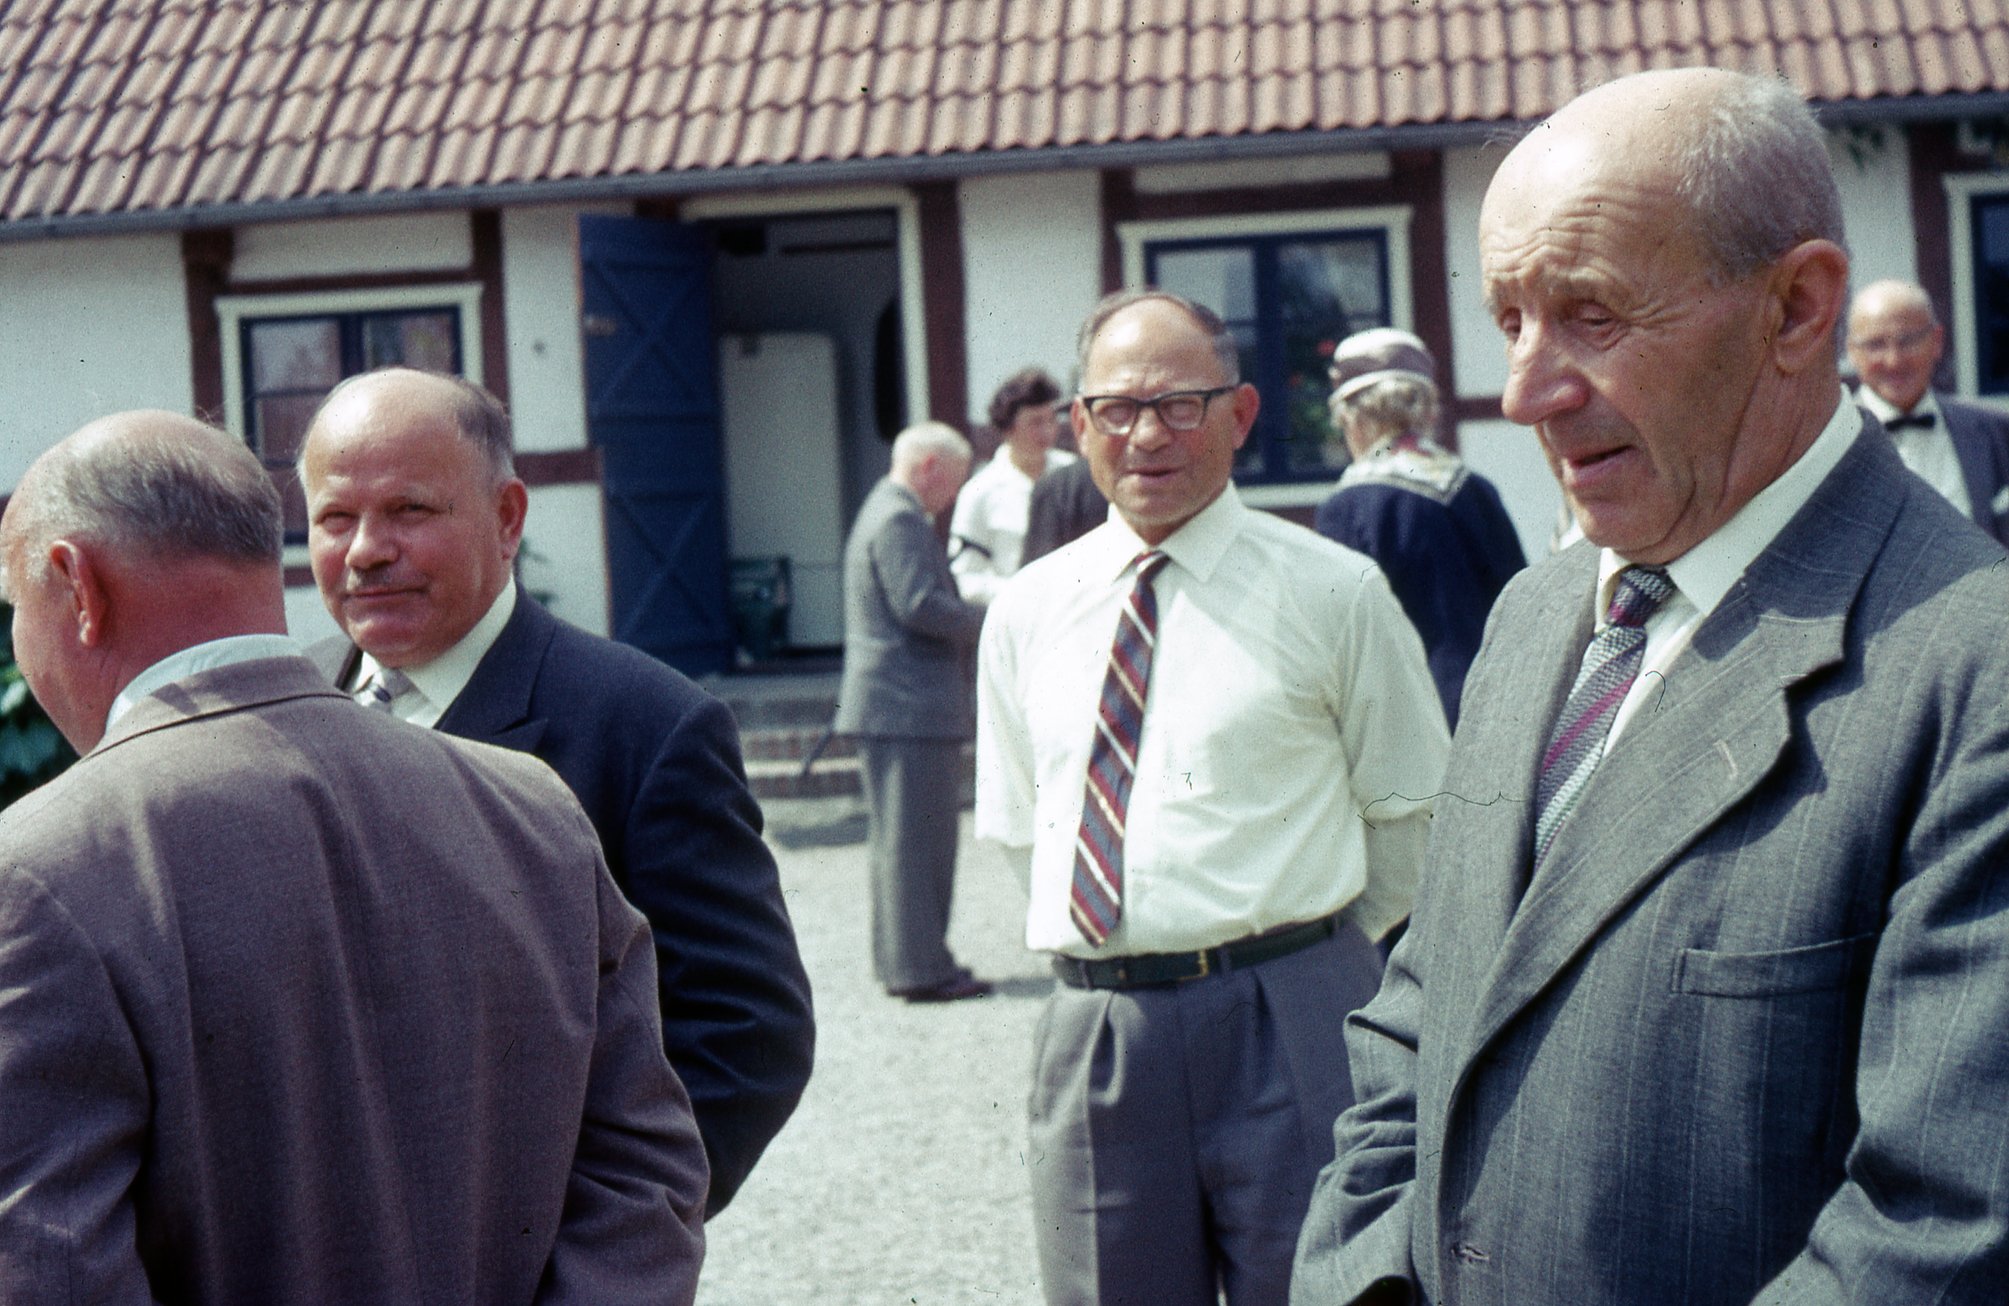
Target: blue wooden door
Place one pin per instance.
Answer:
(652, 409)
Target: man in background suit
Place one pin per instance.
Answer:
(1065, 506)
(1704, 993)
(414, 520)
(1895, 343)
(905, 696)
(297, 1003)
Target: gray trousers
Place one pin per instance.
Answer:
(913, 790)
(1176, 1131)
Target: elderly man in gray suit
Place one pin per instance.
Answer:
(1705, 992)
(906, 697)
(298, 1003)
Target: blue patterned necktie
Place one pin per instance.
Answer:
(382, 688)
(1096, 899)
(1610, 665)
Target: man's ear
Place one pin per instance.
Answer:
(512, 507)
(77, 571)
(1811, 284)
(1248, 401)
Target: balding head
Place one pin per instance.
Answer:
(139, 535)
(1895, 341)
(413, 516)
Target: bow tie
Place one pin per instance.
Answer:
(1914, 421)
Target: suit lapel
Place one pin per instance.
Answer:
(1511, 703)
(1716, 731)
(494, 707)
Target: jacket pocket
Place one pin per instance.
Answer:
(1810, 969)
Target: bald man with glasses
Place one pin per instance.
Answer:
(1961, 449)
(1212, 737)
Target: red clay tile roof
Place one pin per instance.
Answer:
(154, 106)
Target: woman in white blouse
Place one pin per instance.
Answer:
(987, 532)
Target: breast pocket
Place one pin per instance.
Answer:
(1812, 969)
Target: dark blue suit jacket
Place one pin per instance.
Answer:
(1981, 441)
(655, 761)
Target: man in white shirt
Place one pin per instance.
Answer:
(1211, 914)
(1895, 343)
(1703, 996)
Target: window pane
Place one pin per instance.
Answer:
(423, 340)
(302, 354)
(1327, 289)
(280, 422)
(1991, 294)
(1223, 278)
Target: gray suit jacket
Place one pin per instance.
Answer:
(907, 632)
(1744, 1038)
(301, 1004)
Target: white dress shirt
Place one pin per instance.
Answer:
(1927, 450)
(1292, 739)
(199, 657)
(438, 683)
(1703, 575)
(991, 513)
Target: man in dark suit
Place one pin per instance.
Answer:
(1895, 343)
(905, 696)
(1066, 505)
(414, 521)
(297, 1003)
(1703, 996)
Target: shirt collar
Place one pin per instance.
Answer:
(195, 658)
(442, 679)
(1883, 409)
(1197, 546)
(1705, 573)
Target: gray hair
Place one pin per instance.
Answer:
(1754, 171)
(478, 415)
(1218, 333)
(1399, 402)
(174, 487)
(921, 439)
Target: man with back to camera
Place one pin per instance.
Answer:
(1895, 343)
(1213, 734)
(1704, 993)
(297, 1004)
(414, 519)
(905, 697)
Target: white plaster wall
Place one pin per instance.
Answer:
(569, 569)
(410, 242)
(307, 618)
(1032, 270)
(540, 296)
(1875, 182)
(87, 327)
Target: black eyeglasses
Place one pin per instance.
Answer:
(1180, 410)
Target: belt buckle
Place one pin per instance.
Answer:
(1206, 967)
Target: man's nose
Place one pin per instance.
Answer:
(373, 544)
(1541, 382)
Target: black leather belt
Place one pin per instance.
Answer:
(1175, 967)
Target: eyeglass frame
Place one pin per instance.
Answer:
(1902, 342)
(1090, 403)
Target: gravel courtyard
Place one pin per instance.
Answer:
(901, 1177)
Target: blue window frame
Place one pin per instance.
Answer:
(1990, 216)
(1289, 298)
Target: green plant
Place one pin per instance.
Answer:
(32, 752)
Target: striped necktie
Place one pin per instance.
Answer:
(1096, 900)
(1610, 665)
(382, 688)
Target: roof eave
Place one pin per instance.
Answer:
(894, 171)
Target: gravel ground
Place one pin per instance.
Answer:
(901, 1177)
